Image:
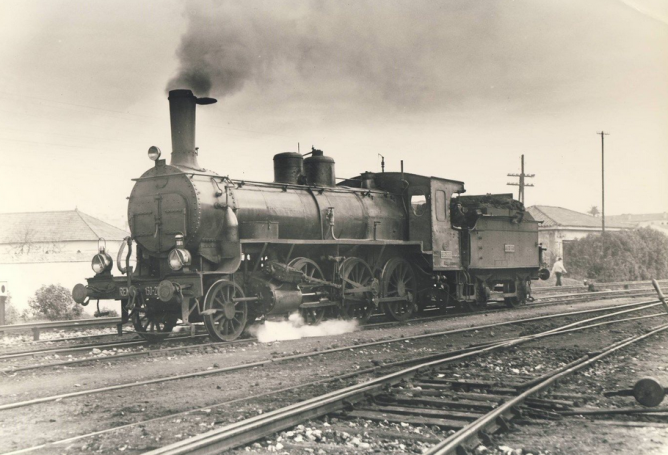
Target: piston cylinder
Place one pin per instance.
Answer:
(277, 297)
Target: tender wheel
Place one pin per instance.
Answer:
(359, 288)
(398, 281)
(520, 299)
(311, 270)
(224, 318)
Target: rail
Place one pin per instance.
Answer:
(583, 287)
(37, 327)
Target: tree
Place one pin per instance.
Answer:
(24, 241)
(593, 211)
(54, 302)
(638, 254)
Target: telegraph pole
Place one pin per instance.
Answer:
(521, 183)
(603, 133)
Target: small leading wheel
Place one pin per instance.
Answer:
(151, 324)
(311, 270)
(358, 290)
(398, 281)
(225, 318)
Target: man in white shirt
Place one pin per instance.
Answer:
(558, 270)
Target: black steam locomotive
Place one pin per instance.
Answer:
(227, 252)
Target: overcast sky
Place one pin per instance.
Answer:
(457, 89)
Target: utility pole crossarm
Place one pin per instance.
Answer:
(521, 183)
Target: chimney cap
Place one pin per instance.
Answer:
(185, 93)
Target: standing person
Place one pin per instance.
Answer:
(558, 270)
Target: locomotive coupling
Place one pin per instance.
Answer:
(544, 274)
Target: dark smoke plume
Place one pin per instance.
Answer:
(399, 54)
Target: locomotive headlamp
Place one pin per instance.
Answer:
(154, 153)
(179, 256)
(102, 262)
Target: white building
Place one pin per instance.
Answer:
(657, 221)
(42, 248)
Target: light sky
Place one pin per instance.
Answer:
(457, 89)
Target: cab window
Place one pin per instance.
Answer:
(419, 204)
(440, 205)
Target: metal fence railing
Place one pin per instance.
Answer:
(37, 327)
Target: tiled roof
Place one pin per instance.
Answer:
(559, 216)
(639, 218)
(55, 227)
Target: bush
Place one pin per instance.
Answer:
(54, 302)
(106, 312)
(639, 254)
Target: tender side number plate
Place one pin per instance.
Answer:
(510, 248)
(446, 254)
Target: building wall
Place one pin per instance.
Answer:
(65, 263)
(553, 240)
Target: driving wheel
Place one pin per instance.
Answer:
(311, 270)
(358, 289)
(398, 282)
(225, 317)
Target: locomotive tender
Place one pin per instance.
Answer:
(226, 252)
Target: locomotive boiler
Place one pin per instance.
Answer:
(226, 252)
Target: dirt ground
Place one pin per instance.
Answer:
(605, 434)
(52, 421)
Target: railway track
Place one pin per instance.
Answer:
(333, 399)
(38, 327)
(444, 401)
(146, 348)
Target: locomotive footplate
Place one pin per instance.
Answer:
(173, 289)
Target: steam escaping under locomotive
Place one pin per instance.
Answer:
(228, 252)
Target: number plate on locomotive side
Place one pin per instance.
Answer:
(151, 291)
(147, 291)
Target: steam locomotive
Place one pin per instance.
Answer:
(227, 252)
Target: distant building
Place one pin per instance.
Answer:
(560, 225)
(39, 248)
(658, 221)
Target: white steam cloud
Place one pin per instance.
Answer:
(295, 328)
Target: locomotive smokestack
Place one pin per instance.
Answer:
(182, 105)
